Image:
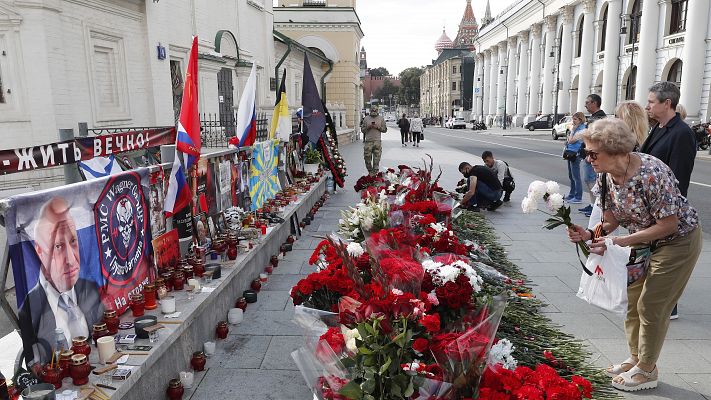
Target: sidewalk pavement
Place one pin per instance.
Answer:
(255, 361)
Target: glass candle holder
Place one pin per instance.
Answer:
(222, 330)
(112, 321)
(80, 345)
(138, 305)
(99, 330)
(79, 370)
(150, 296)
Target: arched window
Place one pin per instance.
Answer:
(677, 22)
(675, 73)
(603, 34)
(579, 47)
(635, 22)
(631, 84)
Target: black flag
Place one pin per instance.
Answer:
(314, 115)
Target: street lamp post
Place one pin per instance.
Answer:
(623, 32)
(556, 54)
(507, 71)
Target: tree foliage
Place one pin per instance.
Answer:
(409, 92)
(386, 90)
(380, 71)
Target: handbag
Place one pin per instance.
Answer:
(422, 136)
(570, 155)
(607, 286)
(508, 184)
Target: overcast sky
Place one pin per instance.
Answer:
(402, 33)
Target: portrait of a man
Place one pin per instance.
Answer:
(60, 299)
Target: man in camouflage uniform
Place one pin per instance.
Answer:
(373, 126)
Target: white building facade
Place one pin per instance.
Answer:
(614, 48)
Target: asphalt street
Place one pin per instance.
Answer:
(537, 153)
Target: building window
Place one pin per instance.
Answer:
(675, 73)
(454, 69)
(603, 34)
(108, 77)
(677, 22)
(631, 84)
(454, 85)
(2, 90)
(579, 49)
(176, 79)
(635, 22)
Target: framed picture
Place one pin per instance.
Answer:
(202, 229)
(219, 222)
(167, 250)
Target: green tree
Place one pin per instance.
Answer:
(386, 90)
(380, 71)
(409, 92)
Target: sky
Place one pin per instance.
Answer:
(402, 33)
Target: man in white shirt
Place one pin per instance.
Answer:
(60, 299)
(501, 169)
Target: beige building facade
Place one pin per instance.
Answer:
(331, 27)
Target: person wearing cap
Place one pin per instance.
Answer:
(373, 126)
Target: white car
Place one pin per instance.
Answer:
(389, 118)
(455, 123)
(561, 129)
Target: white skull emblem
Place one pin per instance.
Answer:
(124, 212)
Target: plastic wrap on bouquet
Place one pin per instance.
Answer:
(321, 368)
(463, 354)
(313, 321)
(396, 265)
(445, 204)
(432, 389)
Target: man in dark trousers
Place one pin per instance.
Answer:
(671, 139)
(592, 105)
(483, 187)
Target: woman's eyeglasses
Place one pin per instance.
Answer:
(591, 154)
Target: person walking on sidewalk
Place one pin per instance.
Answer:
(636, 119)
(483, 187)
(641, 194)
(502, 172)
(416, 130)
(574, 142)
(373, 126)
(404, 126)
(671, 139)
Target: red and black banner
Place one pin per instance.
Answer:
(81, 149)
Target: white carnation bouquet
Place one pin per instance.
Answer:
(549, 193)
(367, 216)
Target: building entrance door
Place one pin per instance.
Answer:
(226, 101)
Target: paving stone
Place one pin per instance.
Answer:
(270, 300)
(282, 282)
(239, 351)
(700, 382)
(579, 326)
(267, 323)
(278, 354)
(252, 384)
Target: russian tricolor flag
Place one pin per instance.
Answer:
(187, 142)
(246, 131)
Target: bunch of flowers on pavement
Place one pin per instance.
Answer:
(411, 310)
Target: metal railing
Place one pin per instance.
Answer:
(216, 133)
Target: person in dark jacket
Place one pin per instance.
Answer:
(671, 140)
(404, 126)
(483, 187)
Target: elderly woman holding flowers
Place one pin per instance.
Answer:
(640, 193)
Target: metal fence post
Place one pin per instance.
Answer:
(71, 171)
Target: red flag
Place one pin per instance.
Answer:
(188, 139)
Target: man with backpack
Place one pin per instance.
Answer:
(501, 170)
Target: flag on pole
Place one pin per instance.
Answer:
(188, 138)
(314, 116)
(187, 142)
(281, 120)
(99, 167)
(246, 132)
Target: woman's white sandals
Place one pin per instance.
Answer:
(628, 383)
(616, 369)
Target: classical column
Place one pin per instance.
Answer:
(521, 104)
(493, 80)
(501, 77)
(483, 83)
(566, 55)
(548, 68)
(535, 82)
(646, 58)
(693, 56)
(511, 76)
(586, 55)
(611, 64)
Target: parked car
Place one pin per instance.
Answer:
(455, 123)
(390, 118)
(545, 121)
(561, 128)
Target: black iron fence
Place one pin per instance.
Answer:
(216, 133)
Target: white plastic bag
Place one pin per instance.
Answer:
(607, 287)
